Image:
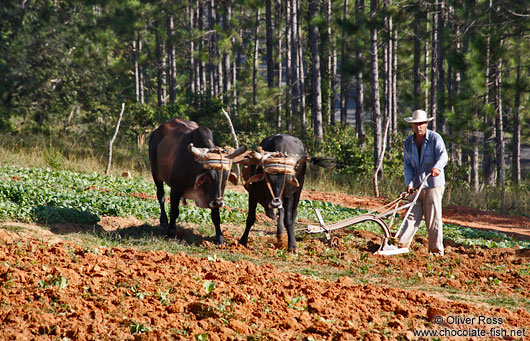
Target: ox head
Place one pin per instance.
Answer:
(216, 170)
(279, 172)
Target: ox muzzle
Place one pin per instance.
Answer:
(219, 160)
(217, 203)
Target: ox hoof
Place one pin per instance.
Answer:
(220, 240)
(293, 250)
(282, 237)
(175, 233)
(282, 241)
(270, 212)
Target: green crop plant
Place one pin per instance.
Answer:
(58, 281)
(208, 287)
(202, 337)
(52, 196)
(137, 328)
(293, 303)
(136, 292)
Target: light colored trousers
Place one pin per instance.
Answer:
(428, 206)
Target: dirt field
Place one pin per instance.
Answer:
(53, 289)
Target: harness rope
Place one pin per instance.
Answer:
(219, 165)
(276, 167)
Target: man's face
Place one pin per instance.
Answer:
(420, 129)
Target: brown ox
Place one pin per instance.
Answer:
(183, 156)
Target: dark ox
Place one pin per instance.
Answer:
(183, 156)
(274, 176)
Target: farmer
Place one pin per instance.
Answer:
(424, 154)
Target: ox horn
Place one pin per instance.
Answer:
(257, 155)
(238, 152)
(197, 152)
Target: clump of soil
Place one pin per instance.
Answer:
(65, 290)
(53, 289)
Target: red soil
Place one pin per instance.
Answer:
(51, 289)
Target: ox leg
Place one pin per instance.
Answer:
(290, 215)
(280, 230)
(173, 213)
(216, 219)
(160, 195)
(251, 219)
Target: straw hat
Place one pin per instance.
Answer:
(418, 116)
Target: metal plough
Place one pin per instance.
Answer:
(389, 244)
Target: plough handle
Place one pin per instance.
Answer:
(412, 203)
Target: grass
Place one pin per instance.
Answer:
(74, 155)
(80, 155)
(13, 228)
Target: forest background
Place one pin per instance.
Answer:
(341, 75)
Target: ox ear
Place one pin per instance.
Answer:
(256, 178)
(199, 180)
(293, 181)
(303, 159)
(232, 178)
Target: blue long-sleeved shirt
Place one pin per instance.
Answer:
(433, 155)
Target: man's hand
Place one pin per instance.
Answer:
(410, 189)
(435, 172)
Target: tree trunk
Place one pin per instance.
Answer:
(136, 70)
(171, 59)
(333, 75)
(198, 50)
(235, 77)
(270, 44)
(279, 9)
(140, 69)
(440, 93)
(344, 79)
(227, 69)
(393, 89)
(379, 163)
(489, 134)
(161, 69)
(475, 182)
(499, 130)
(359, 89)
(325, 64)
(315, 75)
(426, 74)
(300, 72)
(256, 60)
(387, 68)
(192, 85)
(289, 64)
(376, 110)
(202, 66)
(434, 69)
(212, 50)
(416, 94)
(294, 62)
(109, 161)
(516, 149)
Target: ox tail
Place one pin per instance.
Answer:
(153, 144)
(326, 162)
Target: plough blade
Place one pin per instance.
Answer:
(391, 250)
